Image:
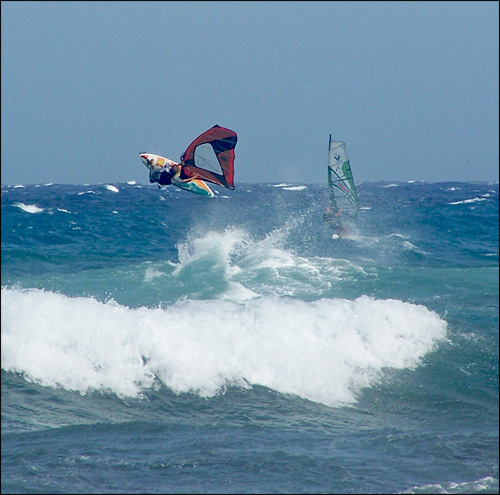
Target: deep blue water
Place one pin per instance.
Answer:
(161, 342)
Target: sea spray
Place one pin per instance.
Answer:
(325, 350)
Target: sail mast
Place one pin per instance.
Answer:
(330, 184)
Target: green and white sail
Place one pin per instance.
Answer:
(343, 196)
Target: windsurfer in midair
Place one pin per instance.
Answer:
(164, 175)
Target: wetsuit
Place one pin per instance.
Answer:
(163, 177)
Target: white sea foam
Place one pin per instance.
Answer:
(483, 485)
(406, 245)
(151, 274)
(466, 201)
(325, 351)
(110, 187)
(295, 188)
(29, 208)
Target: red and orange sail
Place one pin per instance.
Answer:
(210, 157)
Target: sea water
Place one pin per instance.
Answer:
(155, 341)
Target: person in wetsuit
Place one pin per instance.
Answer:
(164, 175)
(332, 218)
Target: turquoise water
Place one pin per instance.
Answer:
(160, 342)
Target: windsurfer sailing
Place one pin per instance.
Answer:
(333, 221)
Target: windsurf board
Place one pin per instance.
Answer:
(158, 162)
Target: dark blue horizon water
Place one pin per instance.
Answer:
(160, 342)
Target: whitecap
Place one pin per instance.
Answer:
(29, 208)
(466, 201)
(324, 351)
(295, 188)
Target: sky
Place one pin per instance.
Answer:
(412, 88)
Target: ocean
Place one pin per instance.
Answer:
(155, 341)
